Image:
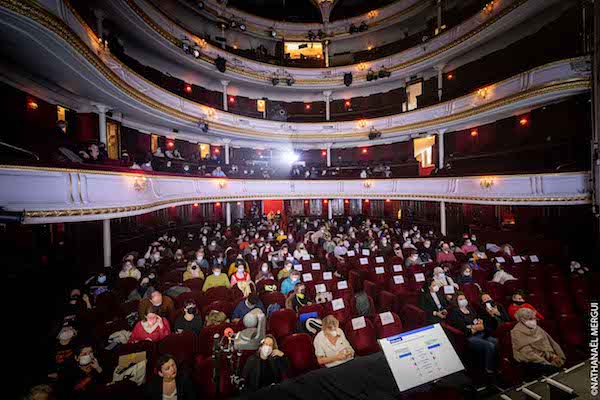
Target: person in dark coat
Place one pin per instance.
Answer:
(493, 314)
(168, 384)
(268, 366)
(433, 302)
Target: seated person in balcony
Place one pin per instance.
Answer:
(290, 282)
(387, 172)
(213, 247)
(264, 273)
(201, 261)
(218, 173)
(331, 346)
(80, 375)
(408, 244)
(266, 367)
(518, 302)
(298, 298)
(152, 327)
(534, 346)
(91, 154)
(64, 350)
(168, 383)
(190, 320)
(413, 259)
(162, 304)
(216, 279)
(193, 272)
(465, 319)
(233, 267)
(493, 314)
(440, 277)
(158, 153)
(245, 306)
(177, 154)
(432, 302)
(128, 270)
(285, 272)
(468, 247)
(445, 255)
(501, 276)
(240, 275)
(363, 174)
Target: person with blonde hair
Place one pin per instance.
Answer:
(129, 271)
(533, 346)
(193, 271)
(331, 346)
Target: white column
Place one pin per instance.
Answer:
(225, 83)
(441, 147)
(327, 95)
(102, 109)
(329, 210)
(106, 242)
(226, 142)
(329, 153)
(228, 214)
(443, 218)
(440, 71)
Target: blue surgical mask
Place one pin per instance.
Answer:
(101, 279)
(463, 303)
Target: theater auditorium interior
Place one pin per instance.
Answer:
(292, 199)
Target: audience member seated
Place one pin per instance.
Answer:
(331, 346)
(493, 314)
(168, 384)
(245, 306)
(91, 154)
(63, 351)
(201, 261)
(40, 392)
(158, 153)
(501, 276)
(361, 300)
(468, 247)
(290, 282)
(298, 298)
(413, 259)
(190, 320)
(216, 279)
(466, 320)
(163, 305)
(432, 302)
(440, 277)
(233, 267)
(218, 173)
(193, 272)
(285, 272)
(129, 271)
(264, 273)
(533, 346)
(465, 275)
(427, 253)
(445, 255)
(266, 367)
(81, 375)
(240, 275)
(152, 327)
(518, 302)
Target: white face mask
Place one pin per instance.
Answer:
(463, 303)
(467, 273)
(442, 275)
(266, 351)
(66, 335)
(85, 360)
(199, 258)
(217, 273)
(288, 267)
(241, 270)
(333, 333)
(156, 257)
(264, 269)
(436, 288)
(532, 323)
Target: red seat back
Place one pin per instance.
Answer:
(363, 340)
(182, 346)
(300, 352)
(387, 330)
(272, 298)
(217, 293)
(282, 323)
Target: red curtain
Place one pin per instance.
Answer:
(273, 205)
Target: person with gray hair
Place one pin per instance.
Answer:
(533, 346)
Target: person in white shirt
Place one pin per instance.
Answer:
(300, 252)
(363, 174)
(441, 279)
(408, 244)
(331, 346)
(501, 276)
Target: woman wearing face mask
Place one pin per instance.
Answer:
(331, 346)
(169, 384)
(413, 259)
(153, 327)
(63, 351)
(233, 267)
(433, 302)
(493, 314)
(217, 278)
(285, 272)
(264, 273)
(190, 320)
(266, 367)
(465, 275)
(81, 375)
(129, 271)
(290, 282)
(501, 276)
(201, 261)
(465, 319)
(298, 298)
(240, 275)
(440, 277)
(193, 272)
(469, 247)
(300, 252)
(178, 258)
(518, 302)
(533, 346)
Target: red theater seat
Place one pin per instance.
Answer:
(224, 306)
(387, 330)
(182, 346)
(412, 317)
(318, 308)
(343, 315)
(194, 284)
(363, 340)
(197, 296)
(282, 323)
(217, 293)
(272, 298)
(509, 371)
(260, 286)
(202, 377)
(300, 352)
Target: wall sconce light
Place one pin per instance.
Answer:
(482, 93)
(372, 14)
(486, 183)
(362, 123)
(368, 184)
(211, 112)
(202, 43)
(32, 105)
(362, 66)
(489, 7)
(140, 184)
(222, 183)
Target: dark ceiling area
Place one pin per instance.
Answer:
(280, 10)
(351, 8)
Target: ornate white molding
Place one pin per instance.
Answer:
(62, 195)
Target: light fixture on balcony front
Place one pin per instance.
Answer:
(362, 123)
(489, 7)
(140, 184)
(482, 93)
(368, 184)
(486, 183)
(222, 183)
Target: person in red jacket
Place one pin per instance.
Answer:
(518, 302)
(153, 327)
